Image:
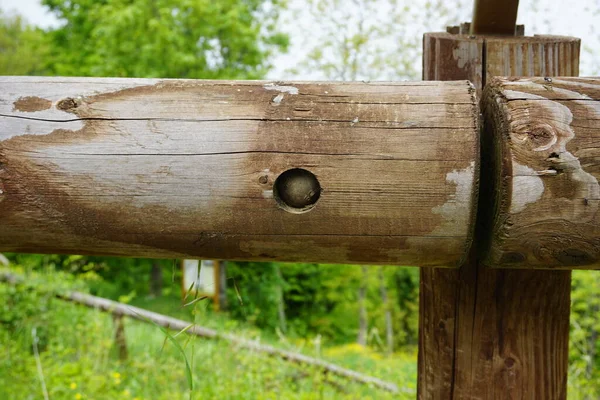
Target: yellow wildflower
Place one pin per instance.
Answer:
(73, 386)
(78, 396)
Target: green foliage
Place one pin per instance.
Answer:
(165, 38)
(321, 299)
(22, 308)
(354, 43)
(85, 365)
(371, 39)
(23, 48)
(120, 277)
(584, 345)
(251, 294)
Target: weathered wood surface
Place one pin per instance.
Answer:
(490, 333)
(183, 168)
(493, 334)
(453, 57)
(546, 135)
(447, 56)
(539, 55)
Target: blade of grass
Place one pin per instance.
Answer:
(237, 292)
(173, 270)
(189, 291)
(184, 329)
(38, 363)
(188, 368)
(175, 335)
(195, 301)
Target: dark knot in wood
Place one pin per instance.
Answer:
(67, 104)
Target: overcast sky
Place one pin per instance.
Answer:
(579, 19)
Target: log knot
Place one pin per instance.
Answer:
(67, 104)
(542, 136)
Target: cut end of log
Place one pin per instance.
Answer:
(545, 173)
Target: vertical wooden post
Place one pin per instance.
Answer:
(487, 333)
(223, 285)
(120, 340)
(217, 277)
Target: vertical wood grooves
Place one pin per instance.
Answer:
(475, 57)
(508, 329)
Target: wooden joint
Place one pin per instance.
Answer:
(465, 29)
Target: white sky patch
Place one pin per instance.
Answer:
(32, 10)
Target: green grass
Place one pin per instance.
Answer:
(80, 362)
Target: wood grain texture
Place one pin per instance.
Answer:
(493, 334)
(512, 334)
(450, 57)
(438, 294)
(489, 333)
(446, 57)
(546, 133)
(540, 55)
(182, 168)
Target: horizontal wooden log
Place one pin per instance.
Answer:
(545, 137)
(323, 172)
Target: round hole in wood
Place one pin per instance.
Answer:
(297, 190)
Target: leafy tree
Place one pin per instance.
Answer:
(165, 38)
(120, 278)
(354, 44)
(371, 39)
(253, 293)
(22, 47)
